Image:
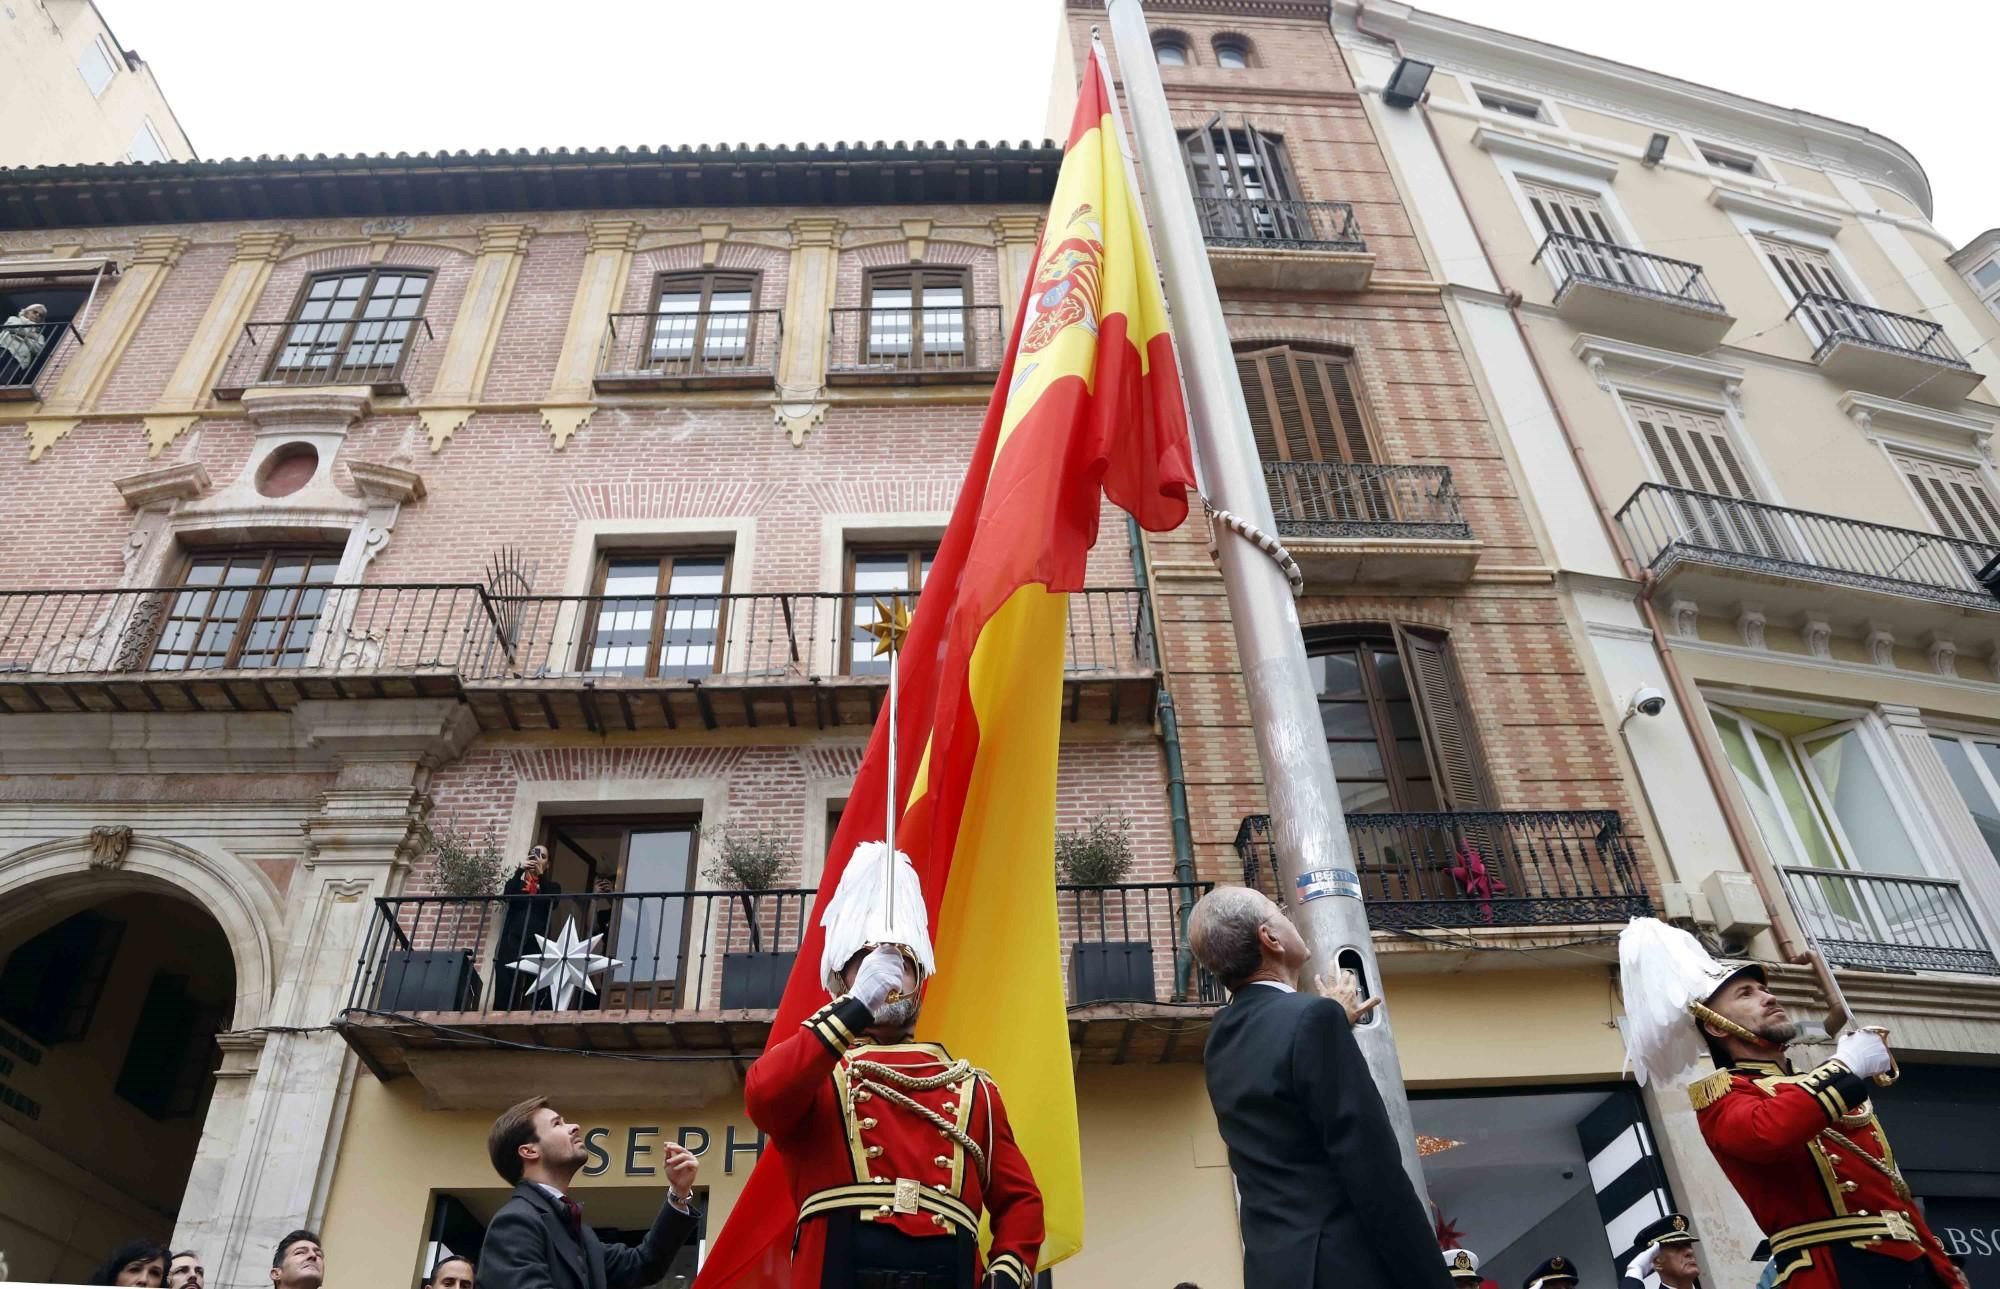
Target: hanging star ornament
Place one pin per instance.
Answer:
(566, 964)
(891, 624)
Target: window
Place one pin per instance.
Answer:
(1509, 104)
(1239, 165)
(916, 314)
(1306, 420)
(1395, 721)
(1728, 159)
(1692, 450)
(1987, 275)
(650, 863)
(51, 985)
(702, 318)
(172, 1052)
(351, 326)
(97, 65)
(1809, 271)
(878, 573)
(254, 608)
(1955, 496)
(1170, 51)
(1232, 52)
(657, 614)
(146, 145)
(29, 348)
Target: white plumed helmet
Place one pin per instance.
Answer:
(1667, 979)
(855, 916)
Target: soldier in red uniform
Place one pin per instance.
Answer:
(1803, 1150)
(893, 1147)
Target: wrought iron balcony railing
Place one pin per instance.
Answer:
(936, 344)
(376, 352)
(1338, 499)
(1669, 525)
(1882, 922)
(30, 353)
(1279, 222)
(1830, 320)
(689, 951)
(1478, 868)
(1583, 259)
(716, 346)
(805, 635)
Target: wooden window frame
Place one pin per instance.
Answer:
(620, 994)
(709, 280)
(1310, 367)
(664, 558)
(915, 552)
(275, 370)
(917, 277)
(1219, 175)
(252, 604)
(1440, 702)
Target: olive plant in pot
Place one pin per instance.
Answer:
(464, 867)
(1104, 964)
(749, 860)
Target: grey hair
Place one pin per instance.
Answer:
(1223, 928)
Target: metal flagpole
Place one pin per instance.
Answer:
(1315, 858)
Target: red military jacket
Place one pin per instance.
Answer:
(850, 1147)
(1807, 1156)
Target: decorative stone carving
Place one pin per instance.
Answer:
(712, 237)
(1750, 625)
(1818, 635)
(1944, 656)
(1882, 646)
(798, 419)
(917, 233)
(1686, 615)
(1732, 393)
(109, 844)
(184, 480)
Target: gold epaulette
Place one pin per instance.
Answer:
(1708, 1091)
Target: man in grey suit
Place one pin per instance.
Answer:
(538, 1239)
(1325, 1201)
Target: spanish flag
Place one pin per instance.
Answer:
(1088, 406)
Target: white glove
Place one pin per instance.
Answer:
(1864, 1052)
(882, 973)
(1642, 1266)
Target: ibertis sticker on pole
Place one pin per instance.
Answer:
(1322, 882)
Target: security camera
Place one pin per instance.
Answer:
(1646, 701)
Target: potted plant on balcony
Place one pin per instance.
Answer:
(748, 860)
(1091, 861)
(441, 978)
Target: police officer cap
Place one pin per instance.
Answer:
(1463, 1264)
(1671, 1229)
(1556, 1273)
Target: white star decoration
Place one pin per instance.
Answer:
(566, 964)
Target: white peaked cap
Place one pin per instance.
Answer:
(853, 917)
(1662, 970)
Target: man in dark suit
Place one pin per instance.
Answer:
(1325, 1202)
(538, 1239)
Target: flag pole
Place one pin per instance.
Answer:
(1315, 857)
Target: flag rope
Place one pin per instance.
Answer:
(1294, 576)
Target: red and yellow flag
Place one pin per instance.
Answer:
(1088, 405)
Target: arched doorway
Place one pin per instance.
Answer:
(111, 994)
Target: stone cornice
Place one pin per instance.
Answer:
(1778, 212)
(1871, 411)
(1975, 251)
(180, 481)
(386, 482)
(1316, 10)
(1548, 154)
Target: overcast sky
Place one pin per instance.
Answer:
(270, 76)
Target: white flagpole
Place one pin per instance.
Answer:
(1315, 857)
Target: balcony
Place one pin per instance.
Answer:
(375, 352)
(770, 659)
(699, 973)
(1420, 870)
(30, 355)
(1722, 550)
(1275, 244)
(711, 349)
(1880, 922)
(1350, 524)
(1884, 353)
(1614, 290)
(959, 344)
(595, 663)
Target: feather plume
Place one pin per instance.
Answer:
(1662, 969)
(854, 916)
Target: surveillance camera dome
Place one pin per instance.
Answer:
(1648, 701)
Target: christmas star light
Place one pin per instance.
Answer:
(566, 964)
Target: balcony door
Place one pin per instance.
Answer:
(1586, 246)
(657, 614)
(351, 327)
(878, 573)
(702, 320)
(631, 879)
(1692, 450)
(1308, 424)
(244, 608)
(1960, 505)
(916, 317)
(1243, 185)
(1813, 282)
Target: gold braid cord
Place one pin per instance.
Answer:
(1888, 1170)
(1723, 1023)
(877, 1077)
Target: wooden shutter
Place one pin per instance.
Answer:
(1692, 450)
(1564, 210)
(1450, 739)
(1806, 270)
(1956, 497)
(1303, 406)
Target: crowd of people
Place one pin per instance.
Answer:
(298, 1263)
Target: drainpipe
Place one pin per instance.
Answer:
(1732, 818)
(1177, 806)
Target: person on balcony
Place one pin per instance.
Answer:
(23, 338)
(522, 920)
(1803, 1150)
(1325, 1201)
(893, 1147)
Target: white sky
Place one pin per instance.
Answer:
(278, 76)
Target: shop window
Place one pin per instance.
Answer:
(1396, 721)
(247, 608)
(878, 573)
(657, 614)
(351, 327)
(50, 987)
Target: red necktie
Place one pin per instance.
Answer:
(575, 1212)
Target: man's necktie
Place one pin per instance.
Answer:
(574, 1211)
